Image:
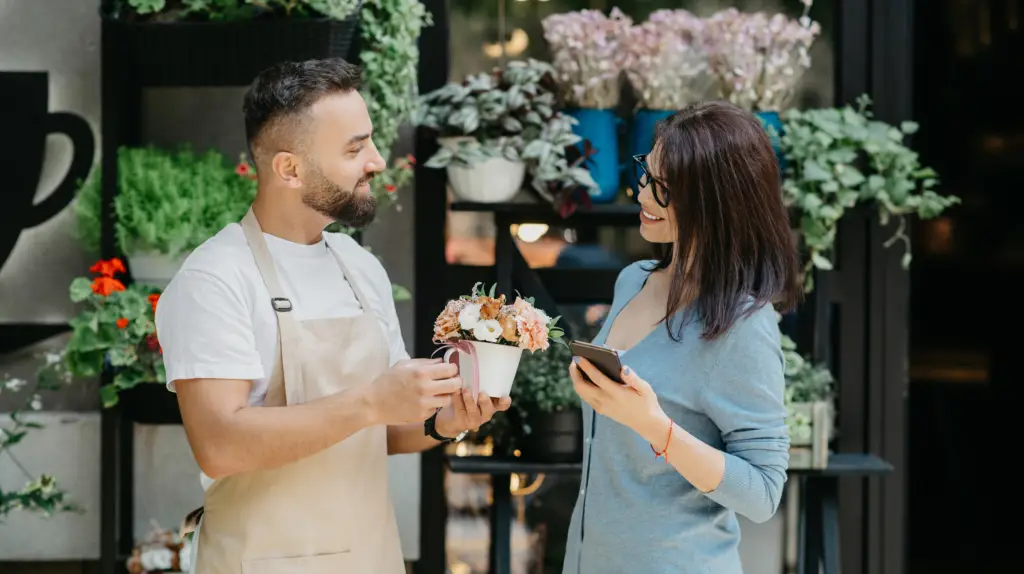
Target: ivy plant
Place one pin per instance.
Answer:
(838, 158)
(40, 494)
(512, 113)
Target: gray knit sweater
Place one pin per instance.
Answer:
(636, 514)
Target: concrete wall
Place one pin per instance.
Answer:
(62, 37)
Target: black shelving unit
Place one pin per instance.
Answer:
(134, 57)
(855, 321)
(437, 282)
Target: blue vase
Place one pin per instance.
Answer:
(773, 125)
(600, 127)
(641, 130)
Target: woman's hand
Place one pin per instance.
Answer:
(633, 404)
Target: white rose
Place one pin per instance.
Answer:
(488, 331)
(469, 316)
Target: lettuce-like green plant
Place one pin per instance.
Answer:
(167, 202)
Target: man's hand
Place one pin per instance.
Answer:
(463, 413)
(413, 390)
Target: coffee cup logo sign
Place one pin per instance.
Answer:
(25, 122)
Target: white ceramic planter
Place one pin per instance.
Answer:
(493, 181)
(497, 366)
(155, 269)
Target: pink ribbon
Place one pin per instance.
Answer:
(463, 346)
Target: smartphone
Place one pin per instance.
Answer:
(606, 360)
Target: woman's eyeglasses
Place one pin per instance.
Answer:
(644, 178)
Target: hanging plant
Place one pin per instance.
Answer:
(838, 158)
(41, 494)
(390, 31)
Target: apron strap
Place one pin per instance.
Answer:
(352, 281)
(288, 330)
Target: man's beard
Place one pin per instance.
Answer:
(350, 208)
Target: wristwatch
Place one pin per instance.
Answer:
(430, 429)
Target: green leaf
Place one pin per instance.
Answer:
(821, 262)
(399, 293)
(108, 395)
(80, 290)
(814, 172)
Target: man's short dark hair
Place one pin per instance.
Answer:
(287, 90)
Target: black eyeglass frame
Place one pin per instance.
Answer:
(644, 178)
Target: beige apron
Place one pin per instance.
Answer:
(330, 513)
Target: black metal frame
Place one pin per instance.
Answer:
(124, 76)
(869, 295)
(855, 320)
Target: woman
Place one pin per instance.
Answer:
(697, 434)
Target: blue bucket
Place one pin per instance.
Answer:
(641, 130)
(600, 127)
(773, 125)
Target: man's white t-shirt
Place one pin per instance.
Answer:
(214, 320)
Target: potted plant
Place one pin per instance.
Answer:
(168, 203)
(588, 50)
(495, 128)
(840, 157)
(114, 332)
(758, 60)
(198, 42)
(546, 409)
(810, 409)
(490, 337)
(667, 68)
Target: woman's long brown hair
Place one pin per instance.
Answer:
(725, 192)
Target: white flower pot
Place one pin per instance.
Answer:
(155, 269)
(492, 181)
(496, 364)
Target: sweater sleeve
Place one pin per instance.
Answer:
(743, 396)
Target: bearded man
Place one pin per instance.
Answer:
(282, 343)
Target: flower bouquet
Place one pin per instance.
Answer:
(665, 61)
(490, 336)
(758, 59)
(586, 49)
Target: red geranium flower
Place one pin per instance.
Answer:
(106, 285)
(108, 267)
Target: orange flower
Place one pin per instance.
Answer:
(390, 188)
(153, 298)
(106, 285)
(490, 306)
(509, 328)
(122, 323)
(108, 267)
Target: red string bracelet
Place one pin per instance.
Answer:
(668, 441)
